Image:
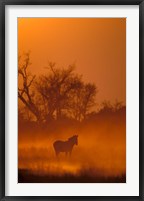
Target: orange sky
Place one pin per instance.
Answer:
(96, 45)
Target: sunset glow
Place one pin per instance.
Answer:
(72, 84)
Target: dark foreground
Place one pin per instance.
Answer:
(25, 176)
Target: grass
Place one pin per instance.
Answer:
(27, 176)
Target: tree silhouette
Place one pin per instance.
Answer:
(59, 92)
(25, 94)
(55, 89)
(82, 100)
(108, 107)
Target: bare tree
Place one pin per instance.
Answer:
(55, 88)
(107, 106)
(25, 94)
(82, 100)
(90, 91)
(59, 92)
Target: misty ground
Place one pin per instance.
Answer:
(93, 169)
(100, 156)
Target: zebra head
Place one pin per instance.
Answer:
(74, 139)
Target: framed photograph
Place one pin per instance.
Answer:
(71, 100)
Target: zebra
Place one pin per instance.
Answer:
(65, 146)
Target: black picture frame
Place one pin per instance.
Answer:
(3, 3)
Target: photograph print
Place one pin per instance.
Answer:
(71, 100)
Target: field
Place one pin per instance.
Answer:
(100, 155)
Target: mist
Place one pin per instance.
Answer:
(100, 153)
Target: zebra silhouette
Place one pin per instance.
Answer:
(65, 146)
